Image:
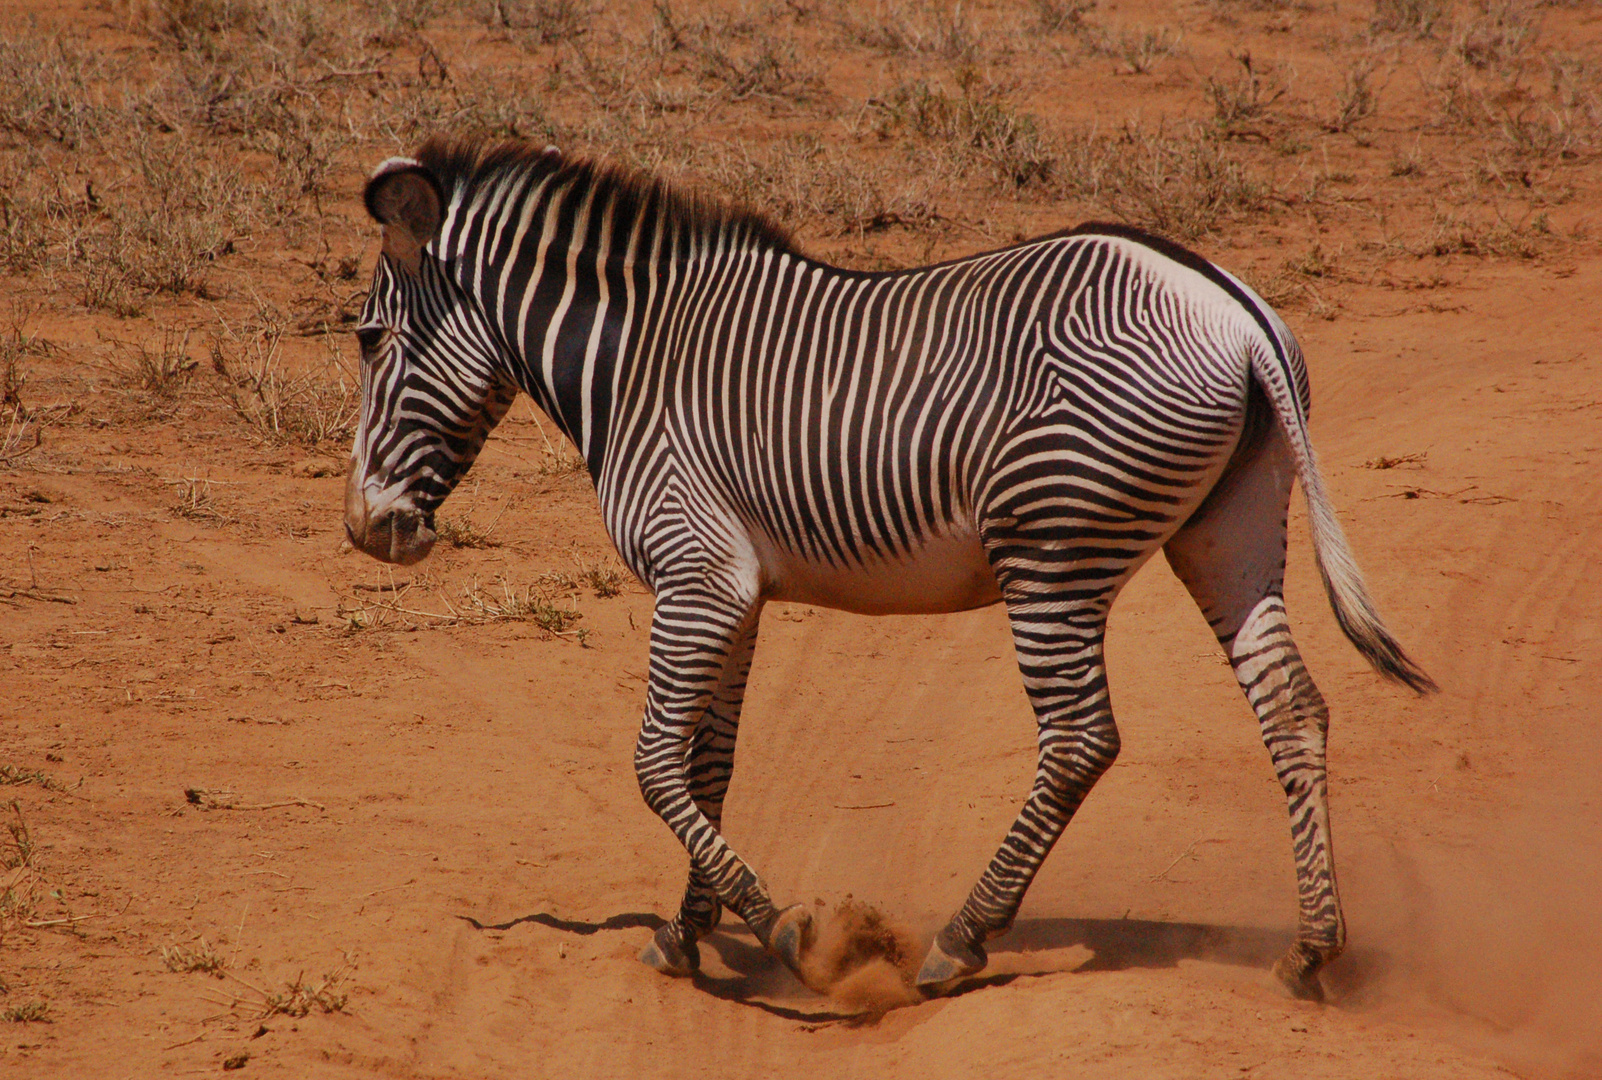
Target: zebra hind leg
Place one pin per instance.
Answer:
(1060, 654)
(1231, 556)
(674, 949)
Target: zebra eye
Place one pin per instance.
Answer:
(370, 338)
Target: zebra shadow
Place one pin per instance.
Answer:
(1123, 944)
(745, 972)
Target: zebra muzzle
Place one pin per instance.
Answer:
(397, 534)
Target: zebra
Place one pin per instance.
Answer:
(1025, 427)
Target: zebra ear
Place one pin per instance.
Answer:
(406, 199)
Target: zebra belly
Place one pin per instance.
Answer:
(946, 573)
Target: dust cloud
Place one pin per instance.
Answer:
(863, 961)
(1494, 933)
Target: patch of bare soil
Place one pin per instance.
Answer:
(270, 806)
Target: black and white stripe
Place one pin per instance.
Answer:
(1025, 426)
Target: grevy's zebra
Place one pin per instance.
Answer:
(1024, 426)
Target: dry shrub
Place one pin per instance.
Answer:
(976, 127)
(1356, 100)
(547, 22)
(1141, 49)
(1565, 125)
(22, 222)
(605, 580)
(1247, 97)
(300, 997)
(1451, 234)
(1417, 17)
(1497, 36)
(1055, 16)
(920, 27)
(164, 237)
(20, 426)
(306, 408)
(722, 59)
(804, 180)
(160, 368)
(469, 106)
(51, 88)
(1180, 183)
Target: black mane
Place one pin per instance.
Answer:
(470, 161)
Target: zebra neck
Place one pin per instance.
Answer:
(593, 304)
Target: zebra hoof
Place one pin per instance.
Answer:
(671, 954)
(949, 961)
(792, 935)
(1298, 974)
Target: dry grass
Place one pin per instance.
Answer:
(32, 1012)
(12, 775)
(19, 852)
(196, 501)
(462, 533)
(296, 999)
(20, 426)
(532, 603)
(136, 181)
(606, 580)
(408, 606)
(190, 958)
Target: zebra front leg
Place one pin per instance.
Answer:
(1061, 659)
(674, 949)
(693, 638)
(1231, 556)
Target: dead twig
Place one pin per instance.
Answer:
(35, 594)
(1191, 850)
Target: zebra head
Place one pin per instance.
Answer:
(434, 378)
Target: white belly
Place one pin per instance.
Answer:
(947, 573)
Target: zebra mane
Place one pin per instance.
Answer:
(466, 162)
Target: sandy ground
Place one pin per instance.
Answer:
(415, 847)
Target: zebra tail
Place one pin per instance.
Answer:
(1343, 581)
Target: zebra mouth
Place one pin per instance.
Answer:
(401, 536)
